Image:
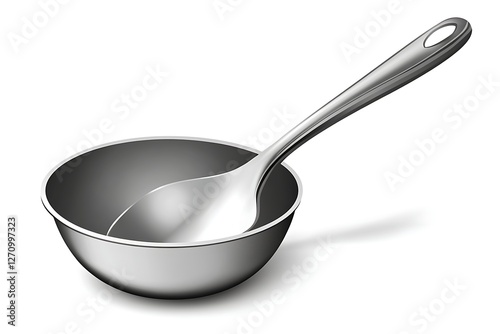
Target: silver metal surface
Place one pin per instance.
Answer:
(165, 215)
(85, 192)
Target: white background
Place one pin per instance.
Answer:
(394, 250)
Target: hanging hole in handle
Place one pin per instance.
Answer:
(439, 35)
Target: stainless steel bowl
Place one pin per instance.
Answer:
(87, 192)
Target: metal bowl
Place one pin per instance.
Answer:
(87, 192)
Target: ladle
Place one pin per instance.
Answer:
(226, 204)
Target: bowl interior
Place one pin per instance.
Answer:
(93, 189)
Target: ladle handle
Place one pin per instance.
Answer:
(409, 63)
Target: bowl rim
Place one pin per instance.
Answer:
(138, 243)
